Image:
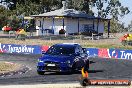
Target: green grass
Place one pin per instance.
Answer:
(109, 46)
(102, 43)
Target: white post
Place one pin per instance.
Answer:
(37, 31)
(92, 36)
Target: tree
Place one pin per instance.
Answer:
(130, 27)
(4, 14)
(115, 26)
(105, 8)
(2, 17)
(44, 5)
(114, 8)
(14, 22)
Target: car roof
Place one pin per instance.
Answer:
(67, 44)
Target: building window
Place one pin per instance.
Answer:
(88, 27)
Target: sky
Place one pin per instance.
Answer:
(128, 18)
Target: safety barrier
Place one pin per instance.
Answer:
(36, 49)
(110, 53)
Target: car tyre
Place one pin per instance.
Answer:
(40, 72)
(74, 68)
(85, 82)
(87, 65)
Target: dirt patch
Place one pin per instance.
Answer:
(6, 67)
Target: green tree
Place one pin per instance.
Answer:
(44, 5)
(2, 17)
(4, 14)
(105, 8)
(14, 22)
(130, 27)
(115, 26)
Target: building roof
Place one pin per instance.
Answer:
(65, 13)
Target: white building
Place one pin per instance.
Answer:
(72, 21)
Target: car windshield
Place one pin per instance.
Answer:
(61, 50)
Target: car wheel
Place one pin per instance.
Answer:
(85, 82)
(86, 67)
(40, 72)
(74, 68)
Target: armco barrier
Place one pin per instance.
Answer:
(36, 49)
(44, 48)
(23, 49)
(92, 52)
(122, 54)
(110, 53)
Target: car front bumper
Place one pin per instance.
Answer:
(53, 69)
(56, 68)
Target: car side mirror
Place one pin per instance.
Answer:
(84, 50)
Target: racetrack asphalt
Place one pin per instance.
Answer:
(100, 68)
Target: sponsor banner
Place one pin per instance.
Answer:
(92, 52)
(24, 49)
(36, 49)
(118, 53)
(103, 53)
(115, 53)
(110, 53)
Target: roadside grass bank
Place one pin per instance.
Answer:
(102, 43)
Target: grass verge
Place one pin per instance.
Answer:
(102, 43)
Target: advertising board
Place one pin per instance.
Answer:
(23, 49)
(36, 49)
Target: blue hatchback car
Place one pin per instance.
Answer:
(62, 58)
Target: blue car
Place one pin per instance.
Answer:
(62, 58)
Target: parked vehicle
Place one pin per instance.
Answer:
(62, 58)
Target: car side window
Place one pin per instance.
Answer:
(78, 49)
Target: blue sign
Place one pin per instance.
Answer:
(92, 51)
(24, 49)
